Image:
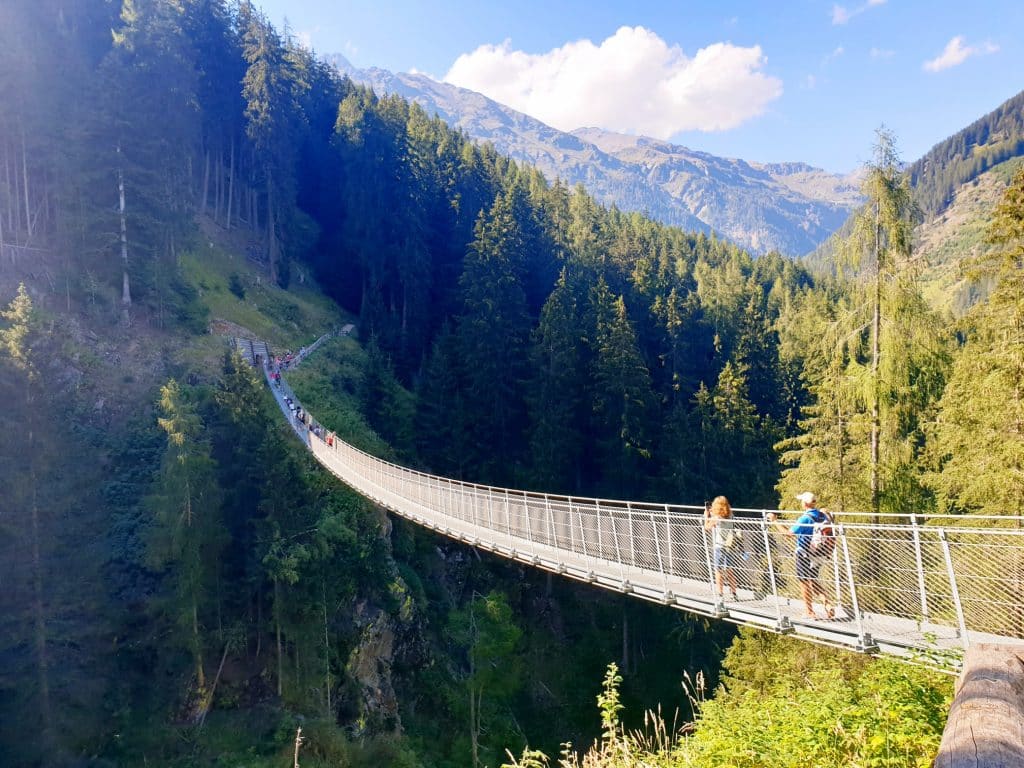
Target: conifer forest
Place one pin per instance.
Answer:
(181, 585)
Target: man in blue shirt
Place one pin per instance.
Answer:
(806, 569)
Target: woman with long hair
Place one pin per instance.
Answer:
(725, 536)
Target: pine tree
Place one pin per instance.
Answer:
(492, 332)
(979, 434)
(623, 404)
(22, 343)
(558, 419)
(485, 631)
(271, 88)
(187, 535)
(881, 243)
(442, 429)
(142, 142)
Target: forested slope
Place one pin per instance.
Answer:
(197, 170)
(985, 143)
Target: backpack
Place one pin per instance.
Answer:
(823, 538)
(732, 540)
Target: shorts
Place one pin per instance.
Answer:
(806, 570)
(723, 559)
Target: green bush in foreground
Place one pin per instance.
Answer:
(787, 705)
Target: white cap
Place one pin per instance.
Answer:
(806, 497)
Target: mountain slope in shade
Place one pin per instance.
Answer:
(788, 207)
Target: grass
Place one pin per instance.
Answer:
(287, 319)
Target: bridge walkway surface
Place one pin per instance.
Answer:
(923, 589)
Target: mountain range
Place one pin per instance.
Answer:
(785, 207)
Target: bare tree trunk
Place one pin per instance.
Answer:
(277, 622)
(231, 186)
(272, 244)
(16, 225)
(206, 184)
(207, 703)
(474, 732)
(197, 645)
(126, 291)
(218, 187)
(2, 246)
(46, 202)
(327, 650)
(298, 743)
(259, 621)
(11, 193)
(24, 173)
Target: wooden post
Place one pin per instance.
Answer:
(985, 728)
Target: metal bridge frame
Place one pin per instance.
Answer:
(922, 590)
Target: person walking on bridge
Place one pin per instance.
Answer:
(804, 531)
(725, 543)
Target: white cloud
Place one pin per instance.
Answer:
(305, 38)
(810, 82)
(956, 53)
(632, 82)
(881, 53)
(841, 14)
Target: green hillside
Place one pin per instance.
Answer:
(948, 242)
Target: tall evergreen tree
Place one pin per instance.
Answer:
(979, 434)
(558, 418)
(271, 89)
(187, 535)
(492, 333)
(624, 404)
(142, 143)
(881, 245)
(22, 344)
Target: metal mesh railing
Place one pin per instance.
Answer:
(902, 584)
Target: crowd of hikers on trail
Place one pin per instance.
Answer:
(303, 418)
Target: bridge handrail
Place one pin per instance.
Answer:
(698, 510)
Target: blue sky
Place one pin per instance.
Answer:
(768, 81)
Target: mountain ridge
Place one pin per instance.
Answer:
(789, 207)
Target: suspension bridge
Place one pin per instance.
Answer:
(923, 589)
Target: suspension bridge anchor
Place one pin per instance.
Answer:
(867, 644)
(784, 626)
(668, 598)
(625, 587)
